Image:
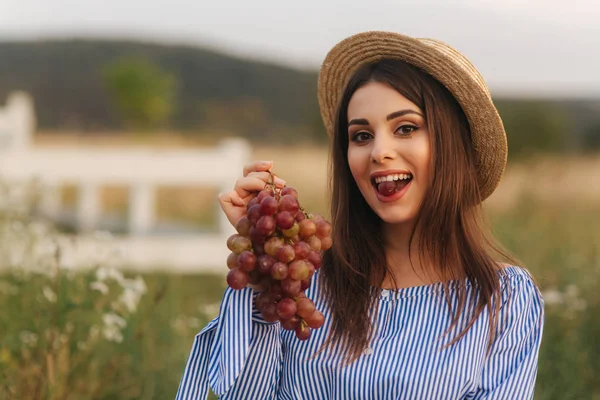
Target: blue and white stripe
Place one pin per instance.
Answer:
(243, 357)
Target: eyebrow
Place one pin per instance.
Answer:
(395, 114)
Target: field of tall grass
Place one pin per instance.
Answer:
(95, 332)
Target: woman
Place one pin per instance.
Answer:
(417, 304)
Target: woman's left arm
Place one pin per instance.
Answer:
(511, 367)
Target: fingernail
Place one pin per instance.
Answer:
(266, 162)
(280, 181)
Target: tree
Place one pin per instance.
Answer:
(142, 92)
(534, 127)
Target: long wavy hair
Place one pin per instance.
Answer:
(453, 234)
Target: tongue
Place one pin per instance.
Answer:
(391, 187)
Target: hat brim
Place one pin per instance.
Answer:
(442, 62)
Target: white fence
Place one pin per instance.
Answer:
(141, 170)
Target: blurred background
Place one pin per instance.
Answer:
(120, 122)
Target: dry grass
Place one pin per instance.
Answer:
(560, 180)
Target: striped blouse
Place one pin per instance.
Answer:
(241, 356)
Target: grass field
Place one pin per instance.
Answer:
(546, 212)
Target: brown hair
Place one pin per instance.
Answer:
(452, 233)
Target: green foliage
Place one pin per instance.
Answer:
(56, 341)
(534, 127)
(561, 247)
(591, 138)
(143, 93)
(66, 79)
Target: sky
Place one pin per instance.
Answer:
(521, 47)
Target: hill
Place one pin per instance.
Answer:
(220, 94)
(65, 79)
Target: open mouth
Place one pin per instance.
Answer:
(388, 185)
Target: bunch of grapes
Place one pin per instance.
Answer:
(279, 246)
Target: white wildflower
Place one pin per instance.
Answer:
(28, 338)
(94, 331)
(49, 294)
(112, 319)
(209, 310)
(572, 291)
(112, 334)
(116, 275)
(102, 274)
(552, 297)
(138, 285)
(193, 323)
(99, 286)
(129, 299)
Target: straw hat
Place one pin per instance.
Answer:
(442, 62)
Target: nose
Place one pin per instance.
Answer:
(382, 149)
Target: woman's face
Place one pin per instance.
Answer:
(388, 151)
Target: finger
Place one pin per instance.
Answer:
(236, 199)
(246, 186)
(257, 166)
(265, 176)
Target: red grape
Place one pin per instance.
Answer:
(264, 264)
(270, 313)
(290, 286)
(246, 261)
(265, 225)
(269, 206)
(254, 277)
(253, 213)
(256, 236)
(237, 279)
(263, 299)
(232, 260)
(252, 202)
(278, 246)
(243, 226)
(307, 228)
(315, 259)
(315, 320)
(263, 195)
(314, 242)
(302, 332)
(299, 270)
(285, 253)
(293, 231)
(326, 243)
(323, 229)
(289, 203)
(276, 290)
(286, 308)
(305, 284)
(316, 217)
(291, 323)
(290, 191)
(285, 220)
(279, 271)
(302, 250)
(272, 245)
(305, 307)
(230, 241)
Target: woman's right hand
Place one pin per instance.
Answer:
(255, 177)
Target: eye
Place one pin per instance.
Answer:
(360, 136)
(406, 130)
